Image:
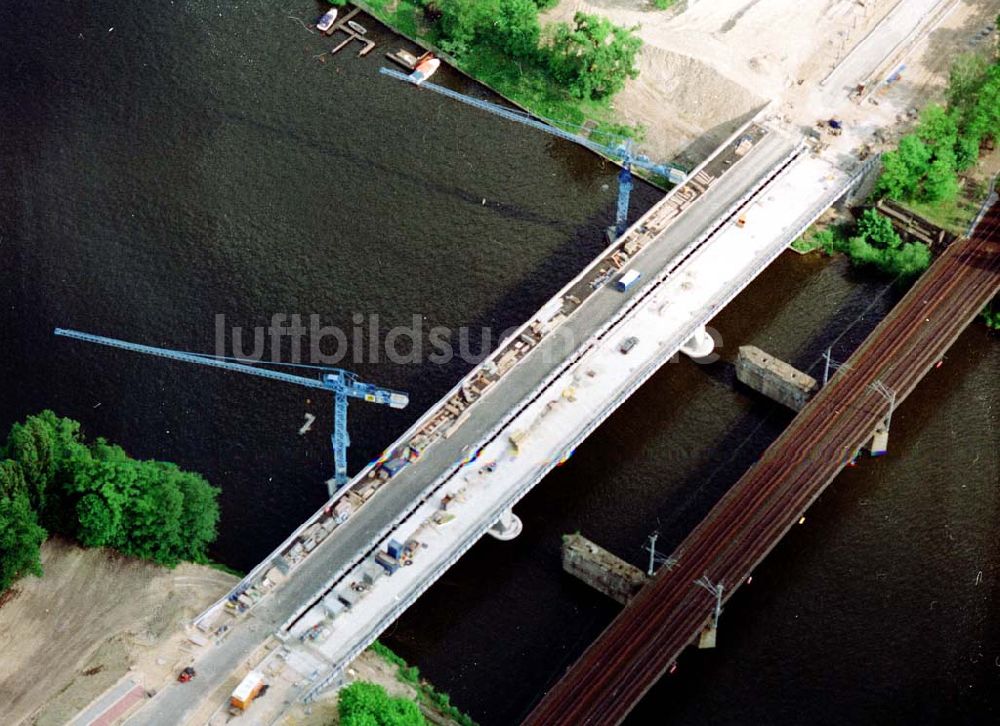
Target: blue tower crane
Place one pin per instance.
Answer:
(620, 150)
(344, 385)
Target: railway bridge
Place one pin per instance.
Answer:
(684, 600)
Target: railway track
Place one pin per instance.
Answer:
(752, 517)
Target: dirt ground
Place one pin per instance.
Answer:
(707, 66)
(70, 635)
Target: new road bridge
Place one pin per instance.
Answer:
(321, 597)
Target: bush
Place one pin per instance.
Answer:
(878, 245)
(991, 314)
(368, 704)
(411, 675)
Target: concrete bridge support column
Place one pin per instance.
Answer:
(699, 345)
(507, 527)
(880, 439)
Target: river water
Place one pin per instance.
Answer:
(159, 170)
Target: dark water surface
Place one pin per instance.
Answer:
(199, 160)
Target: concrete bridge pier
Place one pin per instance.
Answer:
(699, 345)
(880, 439)
(507, 527)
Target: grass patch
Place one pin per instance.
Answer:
(954, 215)
(828, 239)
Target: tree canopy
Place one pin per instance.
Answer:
(925, 165)
(98, 495)
(879, 245)
(593, 57)
(21, 536)
(368, 704)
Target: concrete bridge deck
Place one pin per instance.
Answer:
(649, 635)
(399, 501)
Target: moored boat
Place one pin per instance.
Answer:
(326, 22)
(425, 69)
(357, 27)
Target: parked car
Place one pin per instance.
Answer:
(628, 344)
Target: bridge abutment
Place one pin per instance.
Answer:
(600, 569)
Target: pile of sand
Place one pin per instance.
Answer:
(686, 107)
(706, 67)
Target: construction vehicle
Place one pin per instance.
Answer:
(243, 695)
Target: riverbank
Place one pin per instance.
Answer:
(524, 83)
(381, 666)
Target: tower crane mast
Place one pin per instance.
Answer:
(620, 150)
(343, 384)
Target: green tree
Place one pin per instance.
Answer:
(863, 253)
(367, 704)
(941, 180)
(965, 77)
(98, 525)
(911, 259)
(509, 25)
(199, 517)
(11, 478)
(877, 229)
(21, 536)
(593, 57)
(40, 445)
(361, 718)
(937, 129)
(904, 169)
(100, 496)
(146, 509)
(516, 27)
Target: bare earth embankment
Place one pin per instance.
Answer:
(70, 635)
(705, 70)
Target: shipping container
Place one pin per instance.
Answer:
(627, 280)
(395, 549)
